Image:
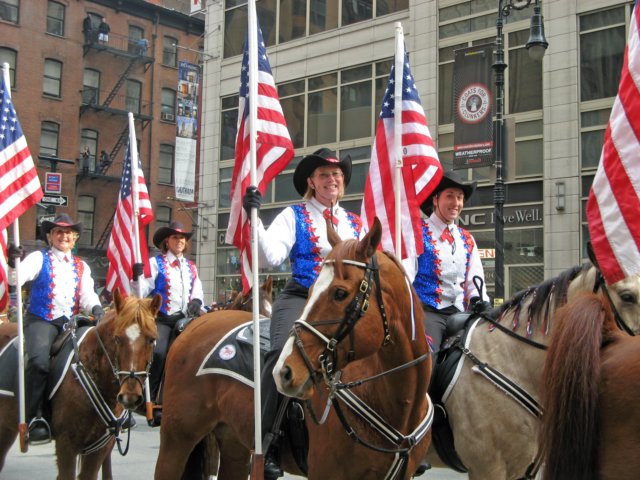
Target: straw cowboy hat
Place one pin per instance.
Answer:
(319, 158)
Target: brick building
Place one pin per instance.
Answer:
(73, 92)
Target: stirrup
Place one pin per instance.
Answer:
(39, 423)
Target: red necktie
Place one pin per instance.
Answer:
(176, 263)
(446, 235)
(328, 216)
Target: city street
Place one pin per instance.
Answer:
(39, 462)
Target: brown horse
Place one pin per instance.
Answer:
(115, 355)
(590, 392)
(220, 404)
(8, 423)
(482, 416)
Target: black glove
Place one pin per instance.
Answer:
(193, 309)
(138, 270)
(98, 313)
(477, 306)
(252, 199)
(14, 251)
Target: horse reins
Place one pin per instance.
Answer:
(338, 390)
(114, 424)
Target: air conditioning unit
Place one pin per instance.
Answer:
(169, 117)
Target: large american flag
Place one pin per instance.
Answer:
(421, 169)
(274, 150)
(614, 199)
(121, 244)
(19, 183)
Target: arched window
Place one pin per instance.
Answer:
(10, 56)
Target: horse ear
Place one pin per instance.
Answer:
(156, 303)
(332, 235)
(118, 299)
(268, 284)
(369, 244)
(592, 255)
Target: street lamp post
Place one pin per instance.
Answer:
(536, 45)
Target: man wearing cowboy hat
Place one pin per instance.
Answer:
(62, 286)
(176, 279)
(299, 233)
(449, 276)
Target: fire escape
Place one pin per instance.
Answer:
(112, 107)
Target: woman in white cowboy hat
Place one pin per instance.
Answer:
(299, 233)
(176, 279)
(62, 287)
(445, 272)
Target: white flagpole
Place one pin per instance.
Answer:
(397, 129)
(133, 151)
(253, 116)
(15, 230)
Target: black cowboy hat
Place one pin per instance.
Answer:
(450, 179)
(319, 158)
(172, 229)
(61, 221)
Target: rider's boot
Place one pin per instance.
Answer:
(39, 430)
(271, 419)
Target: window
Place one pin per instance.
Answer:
(7, 55)
(168, 105)
(602, 42)
(355, 103)
(49, 132)
(170, 51)
(132, 100)
(52, 77)
(91, 87)
(86, 215)
(135, 34)
(162, 216)
(523, 70)
(165, 167)
(89, 138)
(356, 11)
(228, 124)
(9, 10)
(55, 18)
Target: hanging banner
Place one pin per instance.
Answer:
(186, 130)
(473, 136)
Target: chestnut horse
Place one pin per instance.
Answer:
(115, 356)
(482, 416)
(590, 391)
(196, 405)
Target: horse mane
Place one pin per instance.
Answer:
(135, 311)
(542, 298)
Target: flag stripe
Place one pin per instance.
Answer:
(121, 249)
(421, 170)
(19, 183)
(274, 150)
(614, 199)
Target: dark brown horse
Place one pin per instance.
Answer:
(590, 392)
(116, 355)
(196, 405)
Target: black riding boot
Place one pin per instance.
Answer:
(35, 383)
(270, 425)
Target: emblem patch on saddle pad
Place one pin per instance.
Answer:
(233, 354)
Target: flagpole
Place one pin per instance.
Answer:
(257, 470)
(397, 131)
(15, 230)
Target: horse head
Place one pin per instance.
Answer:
(134, 334)
(245, 302)
(360, 305)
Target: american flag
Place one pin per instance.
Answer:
(274, 151)
(121, 244)
(19, 183)
(421, 169)
(4, 280)
(614, 199)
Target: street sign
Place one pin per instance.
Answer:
(57, 200)
(52, 182)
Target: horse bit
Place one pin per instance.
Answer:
(331, 374)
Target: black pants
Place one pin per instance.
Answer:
(39, 335)
(435, 324)
(165, 325)
(286, 310)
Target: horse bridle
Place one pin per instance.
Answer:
(354, 311)
(600, 283)
(331, 374)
